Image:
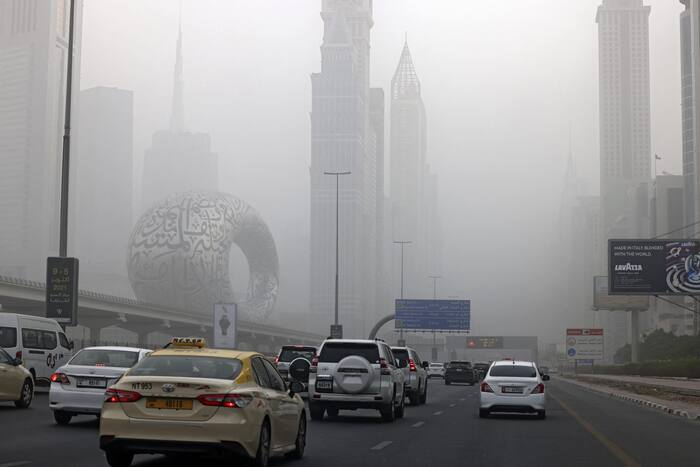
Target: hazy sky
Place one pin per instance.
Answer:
(502, 82)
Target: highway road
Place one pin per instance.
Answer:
(582, 429)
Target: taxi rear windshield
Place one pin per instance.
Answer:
(100, 357)
(290, 354)
(335, 352)
(187, 366)
(514, 371)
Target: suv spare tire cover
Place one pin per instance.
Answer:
(353, 382)
(299, 370)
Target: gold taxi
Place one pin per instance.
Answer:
(16, 382)
(187, 398)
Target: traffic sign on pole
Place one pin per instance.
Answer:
(62, 290)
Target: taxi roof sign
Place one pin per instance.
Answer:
(198, 342)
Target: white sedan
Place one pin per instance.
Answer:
(79, 386)
(513, 386)
(436, 369)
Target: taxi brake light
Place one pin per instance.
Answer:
(59, 378)
(232, 401)
(485, 387)
(120, 395)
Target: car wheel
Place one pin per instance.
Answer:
(447, 382)
(262, 457)
(300, 444)
(119, 458)
(472, 383)
(484, 413)
(332, 412)
(27, 394)
(62, 417)
(317, 412)
(541, 414)
(414, 397)
(424, 396)
(387, 412)
(401, 409)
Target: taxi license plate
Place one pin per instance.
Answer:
(92, 383)
(164, 403)
(512, 390)
(324, 385)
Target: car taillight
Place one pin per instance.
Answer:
(232, 401)
(120, 395)
(384, 367)
(486, 388)
(18, 355)
(59, 378)
(539, 389)
(277, 359)
(412, 365)
(314, 364)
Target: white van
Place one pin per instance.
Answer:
(40, 343)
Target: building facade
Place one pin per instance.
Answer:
(345, 137)
(33, 63)
(178, 160)
(688, 116)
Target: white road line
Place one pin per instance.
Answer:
(15, 464)
(419, 424)
(380, 446)
(439, 412)
(462, 399)
(453, 405)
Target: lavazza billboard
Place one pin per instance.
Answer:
(653, 267)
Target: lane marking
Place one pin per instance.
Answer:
(616, 450)
(15, 464)
(462, 399)
(453, 405)
(439, 412)
(417, 425)
(380, 446)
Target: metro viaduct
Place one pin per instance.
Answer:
(97, 311)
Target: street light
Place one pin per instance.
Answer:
(337, 191)
(402, 243)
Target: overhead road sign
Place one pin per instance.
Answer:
(485, 342)
(602, 300)
(62, 290)
(584, 344)
(433, 315)
(654, 267)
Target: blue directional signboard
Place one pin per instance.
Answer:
(433, 315)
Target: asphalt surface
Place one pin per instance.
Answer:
(582, 428)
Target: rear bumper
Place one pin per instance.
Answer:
(77, 401)
(152, 446)
(461, 378)
(499, 403)
(350, 401)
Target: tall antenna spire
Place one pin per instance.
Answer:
(177, 118)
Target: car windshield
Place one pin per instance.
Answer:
(188, 367)
(290, 354)
(513, 371)
(106, 357)
(8, 337)
(334, 352)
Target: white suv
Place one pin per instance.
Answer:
(353, 374)
(414, 372)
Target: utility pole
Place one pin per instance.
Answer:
(337, 225)
(434, 352)
(65, 163)
(402, 243)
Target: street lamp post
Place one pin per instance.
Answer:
(435, 279)
(337, 208)
(402, 243)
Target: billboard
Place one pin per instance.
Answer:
(604, 301)
(584, 344)
(485, 342)
(653, 267)
(433, 315)
(62, 290)
(225, 325)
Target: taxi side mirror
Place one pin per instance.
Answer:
(545, 377)
(70, 345)
(17, 361)
(295, 387)
(425, 365)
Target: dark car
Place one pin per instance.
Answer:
(481, 369)
(460, 372)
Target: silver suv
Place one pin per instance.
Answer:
(353, 374)
(415, 374)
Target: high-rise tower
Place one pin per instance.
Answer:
(344, 138)
(33, 62)
(178, 160)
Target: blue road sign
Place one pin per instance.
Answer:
(433, 315)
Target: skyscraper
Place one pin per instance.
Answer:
(104, 194)
(688, 116)
(345, 138)
(413, 187)
(33, 61)
(178, 160)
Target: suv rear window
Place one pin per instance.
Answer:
(289, 354)
(336, 351)
(188, 367)
(8, 337)
(401, 355)
(513, 371)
